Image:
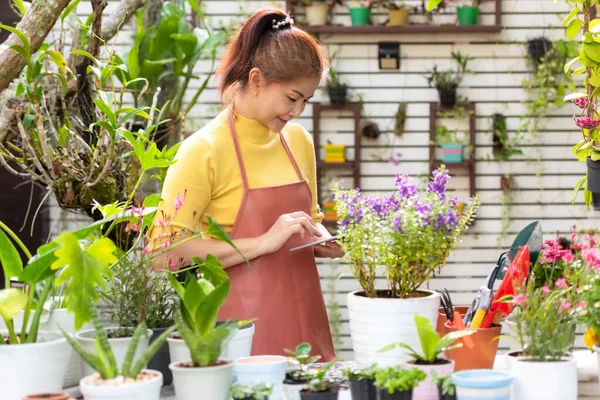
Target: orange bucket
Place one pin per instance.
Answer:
(442, 319)
(481, 356)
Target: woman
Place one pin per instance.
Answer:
(254, 172)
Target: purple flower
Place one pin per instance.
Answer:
(397, 224)
(406, 188)
(586, 122)
(345, 223)
(438, 183)
(451, 219)
(453, 202)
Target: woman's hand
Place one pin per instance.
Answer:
(286, 226)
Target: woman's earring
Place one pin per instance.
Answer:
(255, 93)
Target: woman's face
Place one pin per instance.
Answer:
(279, 102)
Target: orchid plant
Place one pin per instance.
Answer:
(411, 234)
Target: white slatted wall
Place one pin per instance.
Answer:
(499, 67)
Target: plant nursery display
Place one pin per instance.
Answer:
(320, 386)
(429, 360)
(397, 383)
(129, 380)
(362, 382)
(447, 81)
(395, 231)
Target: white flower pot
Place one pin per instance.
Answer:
(316, 14)
(555, 380)
(375, 323)
(33, 368)
(119, 347)
(61, 318)
(239, 346)
(267, 369)
(144, 390)
(427, 390)
(510, 325)
(292, 391)
(208, 383)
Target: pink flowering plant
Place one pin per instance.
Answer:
(410, 233)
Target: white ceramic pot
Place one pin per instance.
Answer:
(144, 390)
(208, 383)
(556, 380)
(316, 14)
(268, 369)
(119, 347)
(61, 318)
(292, 391)
(33, 368)
(239, 346)
(509, 325)
(427, 390)
(375, 323)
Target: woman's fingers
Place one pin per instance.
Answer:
(308, 226)
(304, 216)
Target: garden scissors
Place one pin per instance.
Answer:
(447, 304)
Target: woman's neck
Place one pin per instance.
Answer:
(242, 104)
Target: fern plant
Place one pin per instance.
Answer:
(105, 363)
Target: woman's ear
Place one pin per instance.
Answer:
(255, 80)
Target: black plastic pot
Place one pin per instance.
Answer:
(161, 360)
(383, 394)
(593, 182)
(363, 389)
(446, 396)
(447, 97)
(537, 48)
(318, 395)
(338, 94)
(370, 129)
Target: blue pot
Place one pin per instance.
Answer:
(482, 384)
(453, 153)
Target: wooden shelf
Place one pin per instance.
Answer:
(412, 29)
(335, 165)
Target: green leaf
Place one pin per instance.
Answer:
(152, 349)
(574, 28)
(187, 41)
(9, 258)
(571, 15)
(20, 35)
(215, 230)
(431, 4)
(428, 337)
(12, 301)
(131, 112)
(176, 285)
(212, 270)
(68, 10)
(206, 316)
(135, 340)
(577, 188)
(579, 71)
(85, 54)
(90, 359)
(58, 59)
(587, 197)
(152, 200)
(570, 63)
(106, 111)
(22, 52)
(595, 80)
(20, 7)
(574, 96)
(85, 269)
(193, 296)
(592, 50)
(195, 6)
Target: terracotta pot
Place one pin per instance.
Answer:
(442, 319)
(49, 396)
(479, 357)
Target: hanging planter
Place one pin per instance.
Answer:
(538, 47)
(467, 15)
(447, 97)
(338, 94)
(369, 129)
(398, 14)
(316, 14)
(360, 16)
(593, 182)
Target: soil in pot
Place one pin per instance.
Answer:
(387, 294)
(190, 365)
(49, 396)
(447, 97)
(383, 394)
(363, 389)
(328, 395)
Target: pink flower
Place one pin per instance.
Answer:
(582, 304)
(589, 256)
(519, 299)
(586, 122)
(505, 269)
(162, 223)
(545, 290)
(561, 283)
(565, 305)
(568, 257)
(138, 212)
(178, 202)
(172, 265)
(582, 102)
(166, 244)
(147, 250)
(136, 227)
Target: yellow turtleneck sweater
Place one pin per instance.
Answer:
(207, 174)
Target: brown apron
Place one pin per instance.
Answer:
(281, 289)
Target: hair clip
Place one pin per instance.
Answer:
(287, 21)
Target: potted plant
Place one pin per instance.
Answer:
(316, 11)
(468, 12)
(320, 387)
(205, 372)
(502, 148)
(126, 381)
(545, 328)
(447, 81)
(299, 372)
(451, 143)
(445, 386)
(396, 383)
(250, 391)
(360, 12)
(362, 382)
(395, 231)
(338, 91)
(398, 13)
(538, 47)
(429, 361)
(483, 384)
(270, 369)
